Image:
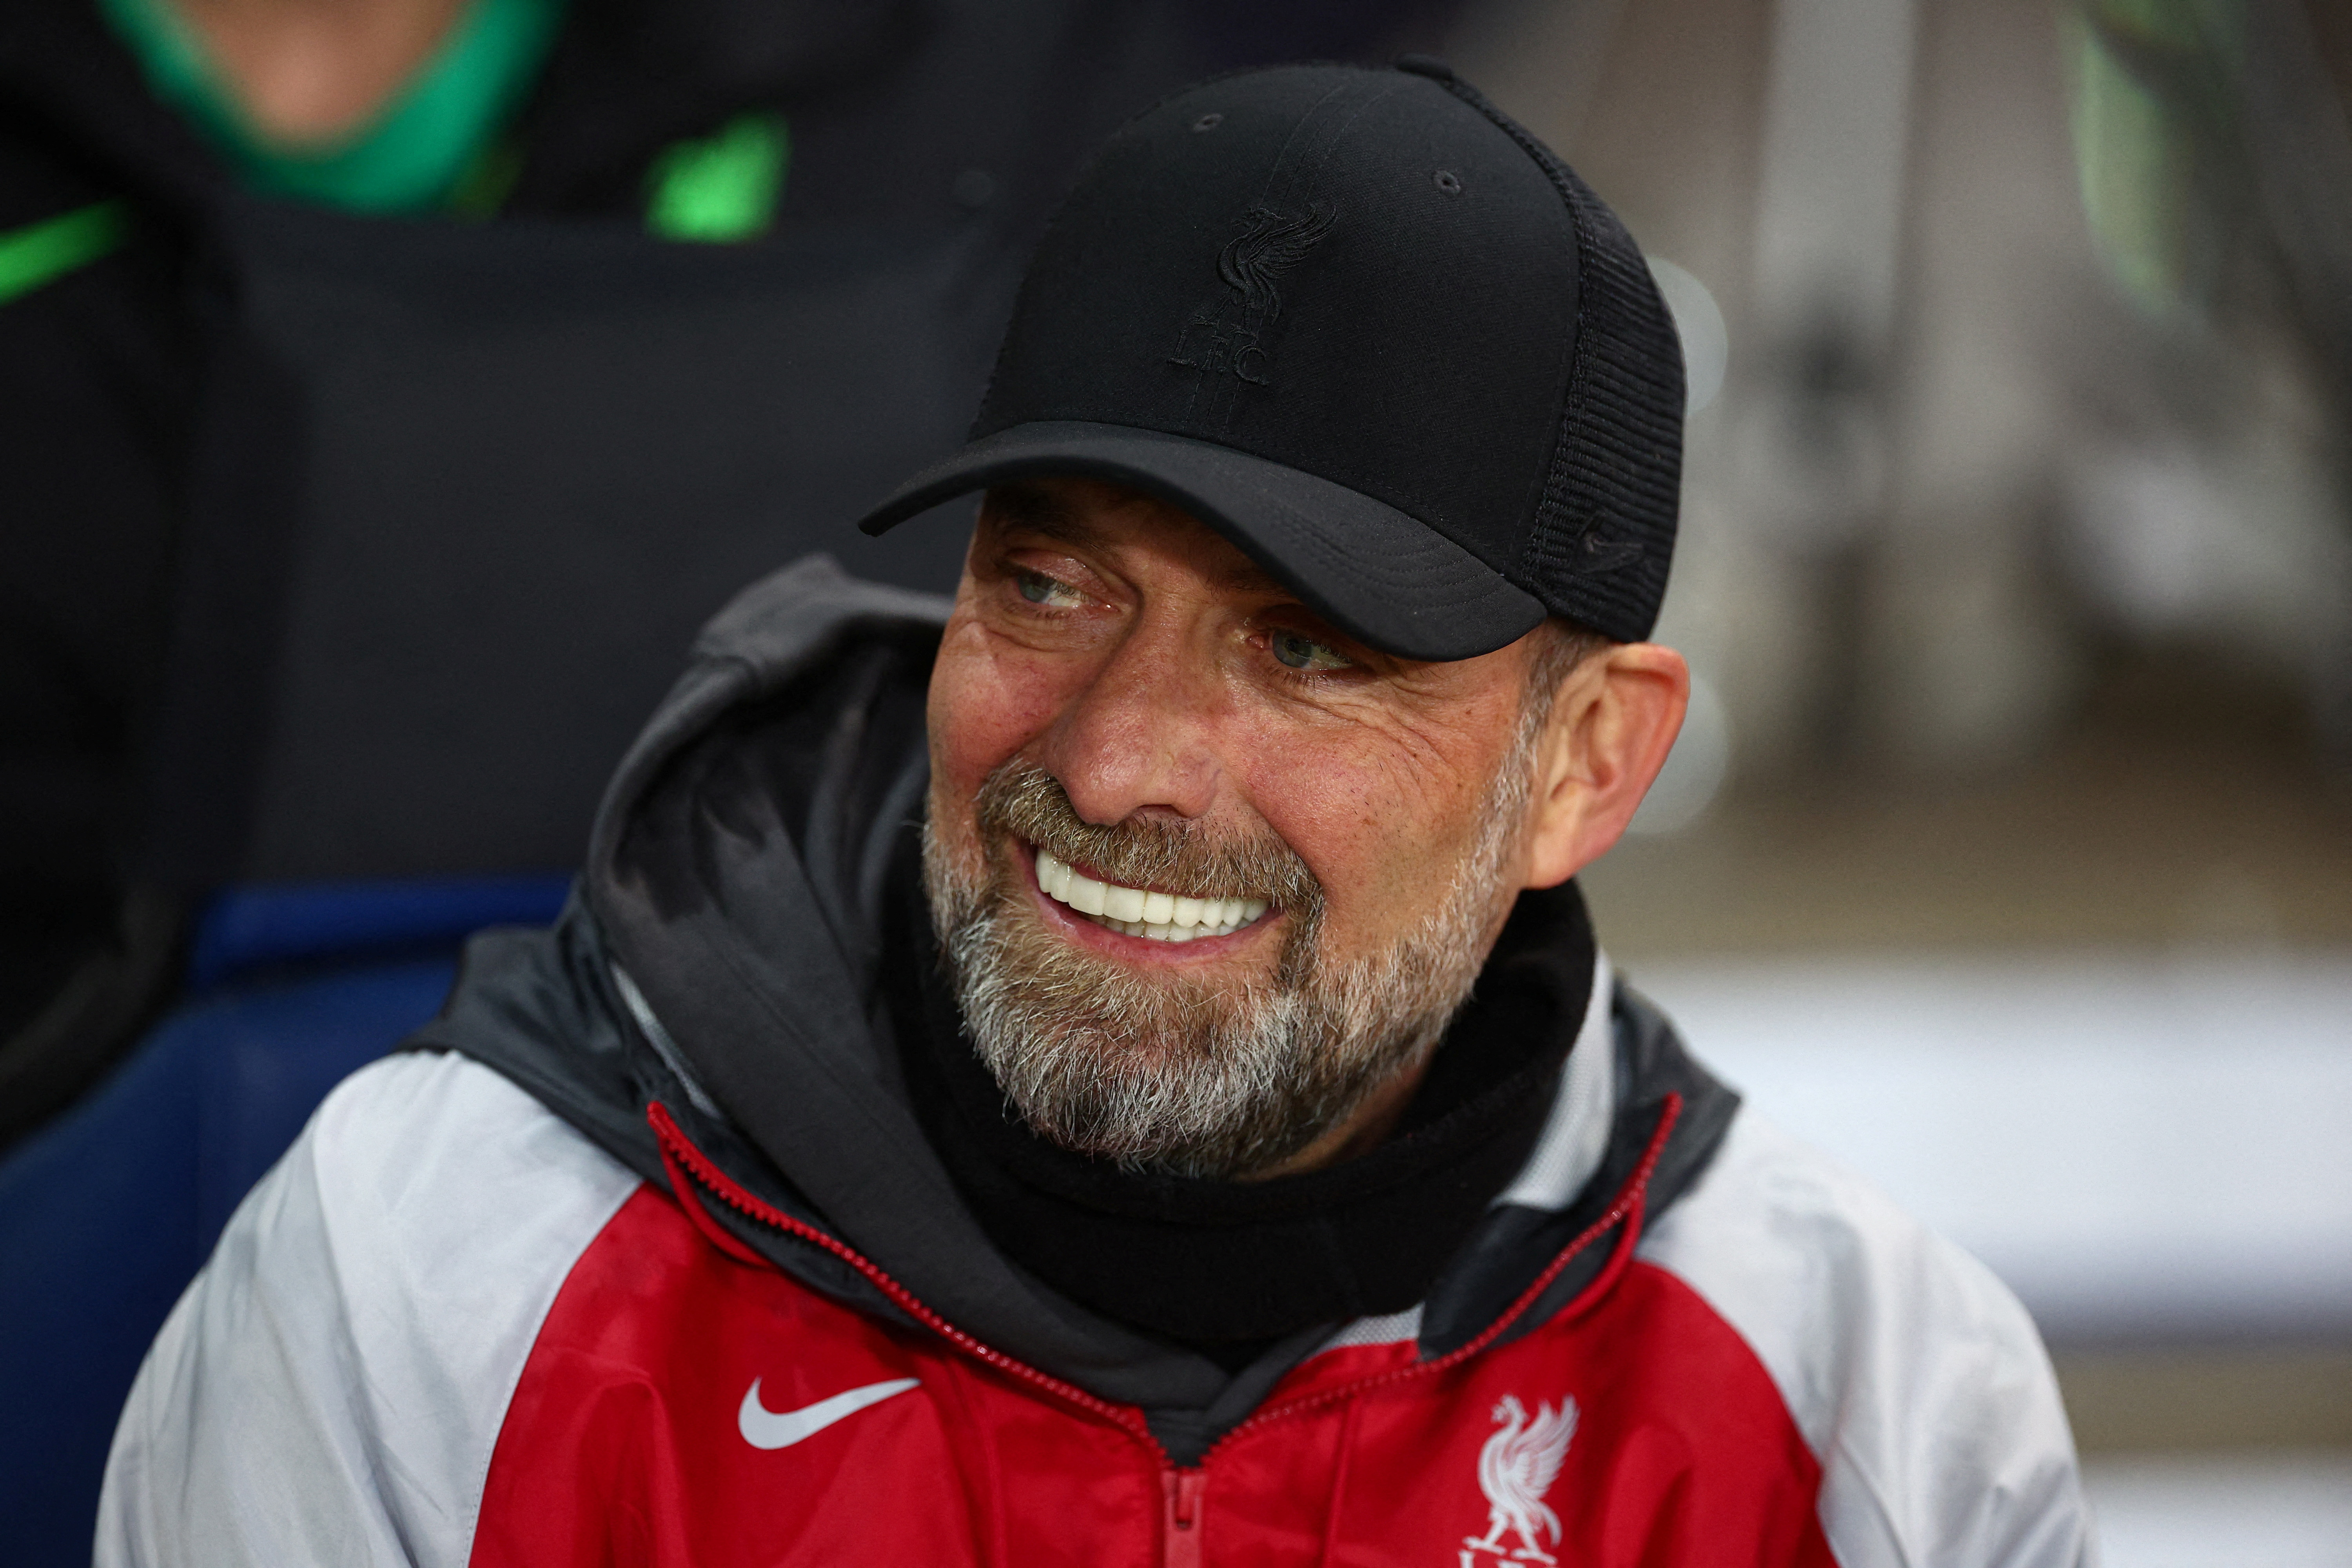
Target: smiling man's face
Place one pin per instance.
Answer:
(1211, 875)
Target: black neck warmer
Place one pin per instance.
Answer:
(1228, 1266)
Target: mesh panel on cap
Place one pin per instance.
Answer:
(1604, 530)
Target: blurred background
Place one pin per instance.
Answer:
(2008, 852)
(359, 503)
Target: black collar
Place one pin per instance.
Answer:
(1226, 1266)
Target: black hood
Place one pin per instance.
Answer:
(723, 955)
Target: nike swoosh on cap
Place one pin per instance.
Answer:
(765, 1429)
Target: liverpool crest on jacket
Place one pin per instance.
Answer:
(1516, 1469)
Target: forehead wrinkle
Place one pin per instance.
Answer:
(1240, 574)
(1224, 565)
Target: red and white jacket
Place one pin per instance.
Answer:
(552, 1287)
(447, 1330)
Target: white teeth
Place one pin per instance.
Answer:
(1161, 917)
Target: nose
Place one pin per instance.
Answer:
(1141, 736)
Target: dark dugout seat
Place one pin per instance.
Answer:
(107, 1212)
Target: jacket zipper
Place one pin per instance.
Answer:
(1180, 1534)
(1182, 1489)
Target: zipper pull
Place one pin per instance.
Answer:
(1180, 1539)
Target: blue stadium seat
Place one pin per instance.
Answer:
(107, 1213)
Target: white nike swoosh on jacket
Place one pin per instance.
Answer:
(765, 1429)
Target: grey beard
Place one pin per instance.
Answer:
(1166, 1073)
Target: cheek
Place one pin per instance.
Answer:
(987, 702)
(1382, 828)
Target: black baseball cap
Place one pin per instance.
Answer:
(1374, 332)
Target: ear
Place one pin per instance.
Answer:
(1612, 722)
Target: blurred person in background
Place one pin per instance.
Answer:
(172, 173)
(1119, 1068)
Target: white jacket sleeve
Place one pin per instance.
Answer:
(1916, 1378)
(329, 1387)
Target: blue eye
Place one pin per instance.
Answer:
(1040, 589)
(1305, 653)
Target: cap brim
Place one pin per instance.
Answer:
(1376, 574)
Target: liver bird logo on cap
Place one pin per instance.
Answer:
(1227, 334)
(1516, 1469)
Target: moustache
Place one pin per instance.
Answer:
(1021, 799)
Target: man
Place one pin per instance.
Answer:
(1127, 1075)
